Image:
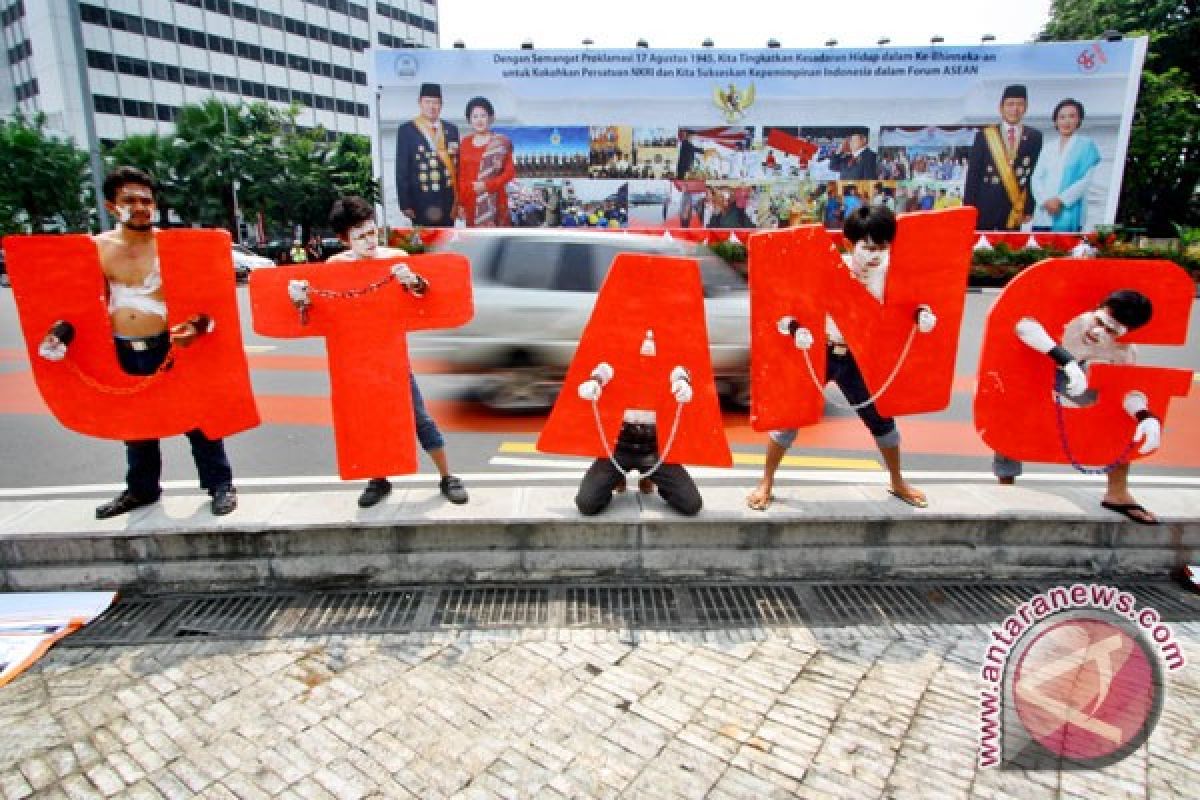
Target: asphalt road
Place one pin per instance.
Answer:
(294, 446)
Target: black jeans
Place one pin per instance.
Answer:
(637, 449)
(144, 457)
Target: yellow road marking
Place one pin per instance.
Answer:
(813, 462)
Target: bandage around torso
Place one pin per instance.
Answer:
(138, 298)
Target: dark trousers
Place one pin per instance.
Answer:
(843, 370)
(637, 449)
(144, 457)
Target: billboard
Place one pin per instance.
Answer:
(1032, 135)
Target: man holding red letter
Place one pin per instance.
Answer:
(138, 313)
(1093, 337)
(870, 231)
(353, 220)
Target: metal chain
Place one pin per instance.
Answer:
(886, 384)
(345, 294)
(123, 391)
(1123, 458)
(608, 450)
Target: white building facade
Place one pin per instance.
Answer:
(102, 70)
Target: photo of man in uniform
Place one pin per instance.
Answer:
(426, 163)
(1000, 165)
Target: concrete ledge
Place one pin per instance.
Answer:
(534, 533)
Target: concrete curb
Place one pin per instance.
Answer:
(277, 540)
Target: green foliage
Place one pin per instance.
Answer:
(1162, 166)
(731, 252)
(256, 152)
(999, 265)
(47, 181)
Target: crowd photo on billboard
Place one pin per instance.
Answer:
(1022, 133)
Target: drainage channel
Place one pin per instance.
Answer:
(657, 606)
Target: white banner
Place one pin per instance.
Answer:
(765, 137)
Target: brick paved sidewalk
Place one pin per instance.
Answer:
(851, 712)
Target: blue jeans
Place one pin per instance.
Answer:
(842, 370)
(427, 430)
(144, 457)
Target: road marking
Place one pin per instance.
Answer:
(260, 348)
(756, 459)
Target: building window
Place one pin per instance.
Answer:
(21, 52)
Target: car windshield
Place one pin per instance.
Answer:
(720, 278)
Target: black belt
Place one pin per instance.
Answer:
(140, 344)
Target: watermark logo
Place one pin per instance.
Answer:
(1073, 679)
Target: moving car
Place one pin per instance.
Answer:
(534, 291)
(246, 261)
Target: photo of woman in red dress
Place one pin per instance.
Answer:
(485, 165)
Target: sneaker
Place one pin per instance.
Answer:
(452, 488)
(123, 503)
(224, 501)
(377, 489)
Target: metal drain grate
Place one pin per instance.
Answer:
(762, 605)
(351, 612)
(626, 606)
(1172, 602)
(492, 607)
(683, 606)
(126, 622)
(980, 602)
(236, 616)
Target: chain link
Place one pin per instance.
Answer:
(123, 391)
(886, 384)
(346, 294)
(1123, 458)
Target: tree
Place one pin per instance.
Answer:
(47, 181)
(222, 149)
(1162, 169)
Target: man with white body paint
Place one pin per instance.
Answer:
(870, 230)
(1092, 337)
(138, 314)
(353, 220)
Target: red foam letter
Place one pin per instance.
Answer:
(59, 277)
(798, 273)
(366, 338)
(641, 293)
(1014, 404)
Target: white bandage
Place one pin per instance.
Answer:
(1149, 432)
(590, 390)
(405, 276)
(52, 349)
(298, 292)
(1031, 332)
(682, 391)
(1077, 382)
(926, 319)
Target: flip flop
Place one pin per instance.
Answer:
(912, 500)
(1124, 510)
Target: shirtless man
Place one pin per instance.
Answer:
(138, 314)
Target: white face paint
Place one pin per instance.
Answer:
(1102, 329)
(868, 256)
(364, 239)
